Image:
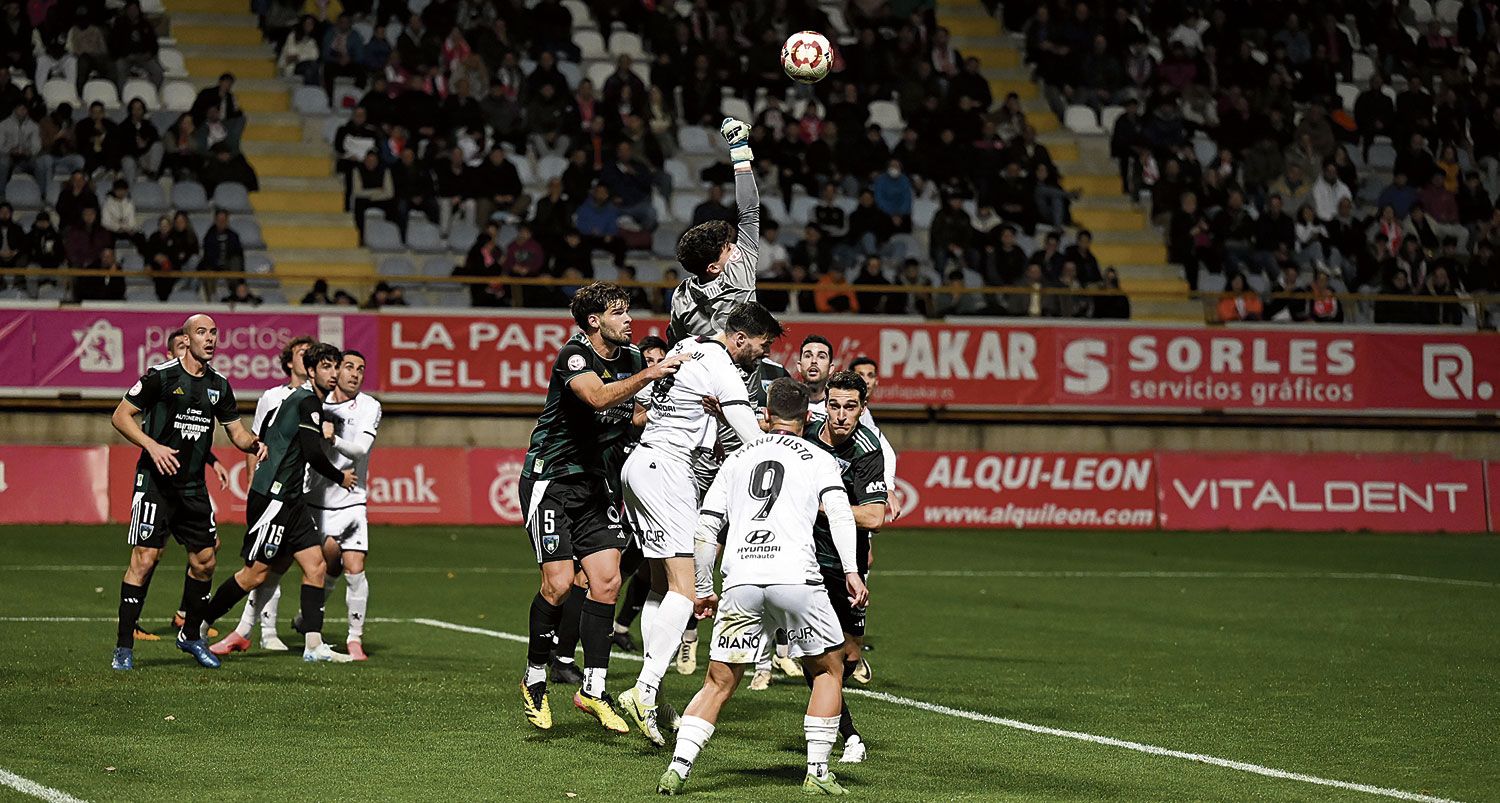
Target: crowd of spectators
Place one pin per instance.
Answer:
(1297, 145)
(450, 97)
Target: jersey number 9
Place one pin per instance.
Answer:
(765, 484)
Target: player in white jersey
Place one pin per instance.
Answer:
(721, 271)
(350, 422)
(262, 604)
(661, 497)
(764, 503)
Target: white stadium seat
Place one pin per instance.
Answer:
(886, 114)
(1082, 120)
(143, 89)
(590, 45)
(178, 96)
(58, 91)
(625, 43)
(99, 90)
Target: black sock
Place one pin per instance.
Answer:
(567, 627)
(194, 600)
(146, 585)
(187, 594)
(132, 597)
(229, 595)
(312, 609)
(544, 619)
(597, 624)
(635, 600)
(846, 724)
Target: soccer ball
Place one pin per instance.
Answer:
(806, 57)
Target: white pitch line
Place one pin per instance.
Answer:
(26, 786)
(1000, 573)
(1226, 763)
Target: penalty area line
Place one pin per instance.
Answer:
(26, 786)
(934, 708)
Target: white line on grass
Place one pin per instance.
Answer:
(1226, 763)
(1002, 573)
(26, 786)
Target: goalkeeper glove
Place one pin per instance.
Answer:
(737, 135)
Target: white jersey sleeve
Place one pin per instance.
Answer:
(770, 492)
(676, 423)
(887, 451)
(266, 406)
(356, 423)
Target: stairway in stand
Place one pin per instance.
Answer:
(300, 202)
(1123, 236)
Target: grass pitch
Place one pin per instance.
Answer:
(1366, 659)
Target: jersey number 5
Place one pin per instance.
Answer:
(765, 484)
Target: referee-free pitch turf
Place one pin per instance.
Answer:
(1361, 659)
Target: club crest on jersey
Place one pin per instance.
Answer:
(576, 362)
(550, 542)
(145, 531)
(213, 396)
(843, 464)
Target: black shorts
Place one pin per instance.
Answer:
(852, 619)
(570, 517)
(277, 529)
(153, 514)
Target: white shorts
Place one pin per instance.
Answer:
(661, 502)
(749, 615)
(347, 526)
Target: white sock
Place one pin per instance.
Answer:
(593, 680)
(535, 674)
(357, 594)
(690, 635)
(692, 734)
(648, 613)
(661, 644)
(256, 603)
(271, 608)
(312, 641)
(821, 733)
(619, 628)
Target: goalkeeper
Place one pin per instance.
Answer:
(720, 263)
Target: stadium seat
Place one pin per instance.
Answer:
(448, 295)
(1205, 149)
(177, 96)
(1108, 115)
(922, 212)
(682, 178)
(550, 167)
(143, 89)
(1082, 120)
(382, 236)
(625, 43)
(438, 266)
(664, 242)
(1447, 11)
(149, 196)
(802, 209)
(173, 65)
(736, 108)
(99, 90)
(331, 125)
(695, 140)
(523, 169)
(1348, 93)
(683, 204)
(395, 266)
(590, 46)
(365, 30)
(310, 100)
(461, 237)
(1421, 11)
(164, 119)
(58, 91)
(249, 231)
(270, 291)
(188, 196)
(571, 72)
(259, 263)
(1364, 67)
(598, 72)
(23, 192)
(886, 114)
(582, 17)
(130, 260)
(424, 238)
(1382, 156)
(233, 196)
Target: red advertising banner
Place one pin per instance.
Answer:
(1044, 491)
(494, 486)
(16, 328)
(1320, 492)
(1245, 369)
(31, 476)
(110, 348)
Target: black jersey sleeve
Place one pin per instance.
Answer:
(226, 409)
(573, 360)
(146, 391)
(866, 480)
(310, 414)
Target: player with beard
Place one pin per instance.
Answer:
(281, 528)
(262, 607)
(565, 493)
(661, 492)
(180, 401)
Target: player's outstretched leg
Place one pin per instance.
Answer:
(854, 745)
(357, 597)
(698, 723)
(238, 639)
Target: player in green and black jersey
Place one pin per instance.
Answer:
(181, 401)
(565, 492)
(281, 528)
(862, 465)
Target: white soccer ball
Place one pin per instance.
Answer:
(806, 57)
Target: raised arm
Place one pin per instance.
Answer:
(740, 271)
